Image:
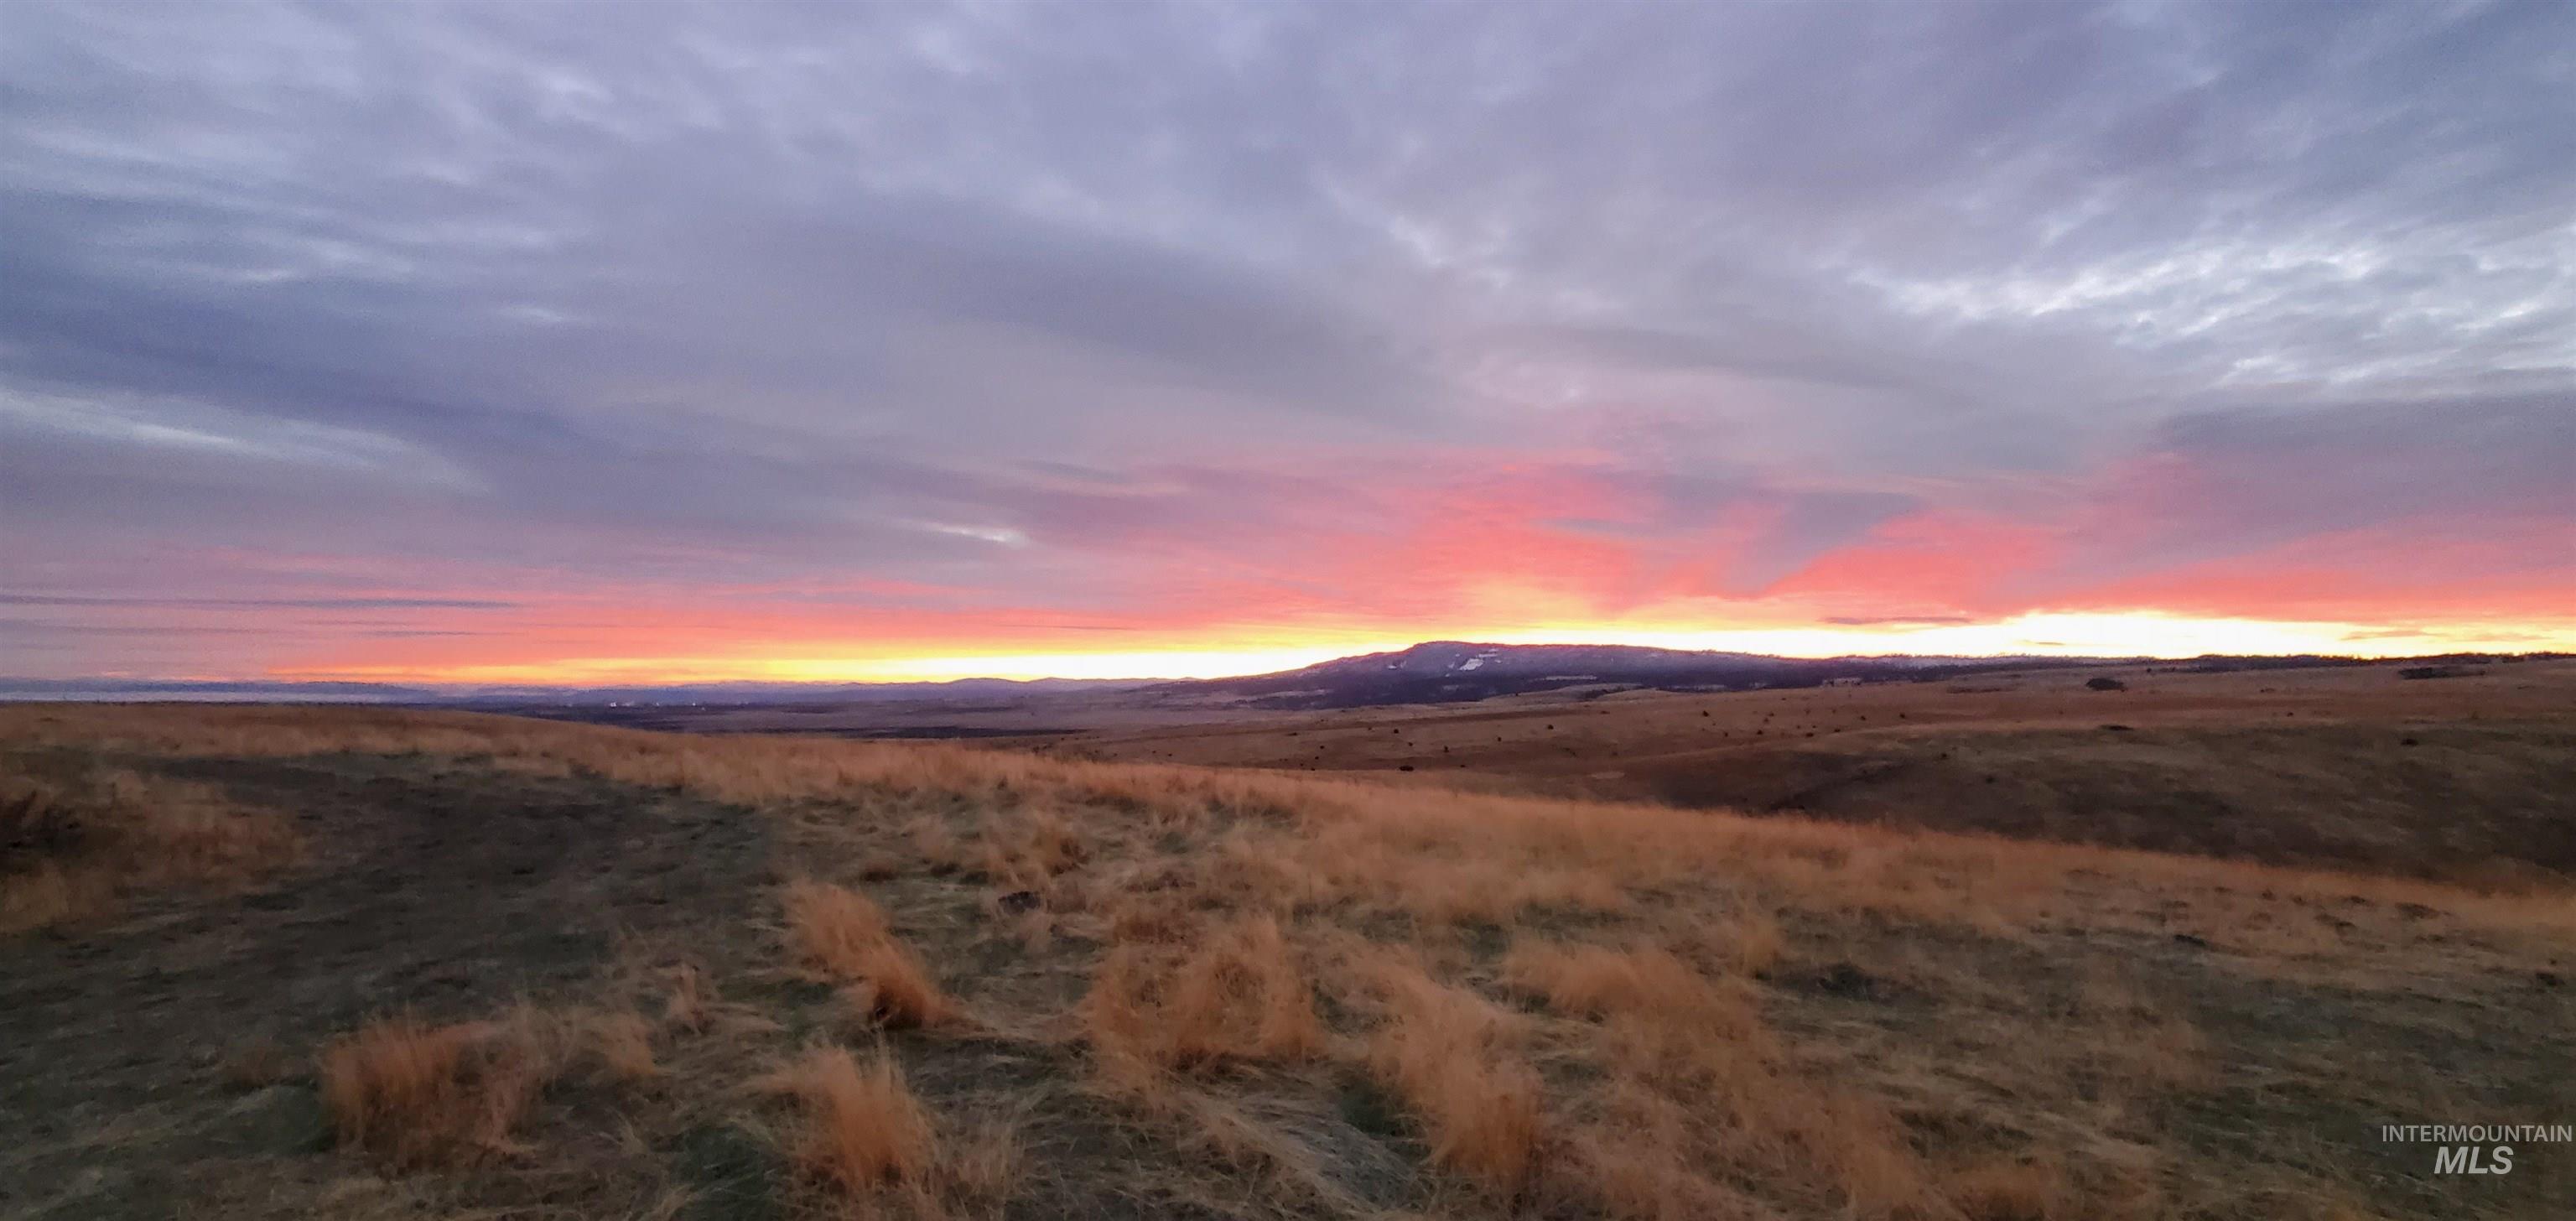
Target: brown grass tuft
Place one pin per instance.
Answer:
(897, 991)
(2009, 1190)
(936, 845)
(415, 1095)
(1640, 1161)
(623, 1045)
(1029, 849)
(984, 1166)
(1449, 1055)
(75, 837)
(1591, 981)
(1238, 995)
(845, 934)
(685, 1008)
(256, 1064)
(1670, 1032)
(1753, 942)
(864, 1129)
(833, 927)
(2133, 1040)
(46, 894)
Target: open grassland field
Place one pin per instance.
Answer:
(2470, 776)
(336, 962)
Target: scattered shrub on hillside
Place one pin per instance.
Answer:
(2105, 684)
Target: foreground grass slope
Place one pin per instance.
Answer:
(457, 965)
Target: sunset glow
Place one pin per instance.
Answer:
(2134, 634)
(889, 344)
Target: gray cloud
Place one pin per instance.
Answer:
(2225, 481)
(998, 299)
(284, 603)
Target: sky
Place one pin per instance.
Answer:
(663, 341)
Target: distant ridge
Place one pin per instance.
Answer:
(677, 693)
(1446, 671)
(1450, 671)
(1436, 671)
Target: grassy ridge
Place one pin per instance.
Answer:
(2348, 767)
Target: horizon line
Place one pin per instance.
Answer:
(25, 689)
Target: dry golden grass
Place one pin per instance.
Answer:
(685, 1004)
(870, 1142)
(1236, 996)
(47, 894)
(1593, 981)
(2137, 1041)
(863, 1128)
(76, 836)
(623, 1045)
(256, 1064)
(833, 927)
(2009, 1191)
(1451, 1056)
(1580, 1009)
(2349, 767)
(1439, 852)
(1637, 1165)
(1747, 942)
(416, 1095)
(1029, 851)
(845, 934)
(982, 1166)
(1673, 1043)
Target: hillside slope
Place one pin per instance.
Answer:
(372, 964)
(2354, 766)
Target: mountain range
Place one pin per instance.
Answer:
(1446, 671)
(1439, 671)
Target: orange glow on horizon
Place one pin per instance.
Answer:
(1534, 561)
(1200, 655)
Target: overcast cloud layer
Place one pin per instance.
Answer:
(380, 338)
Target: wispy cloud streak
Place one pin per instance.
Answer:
(537, 336)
